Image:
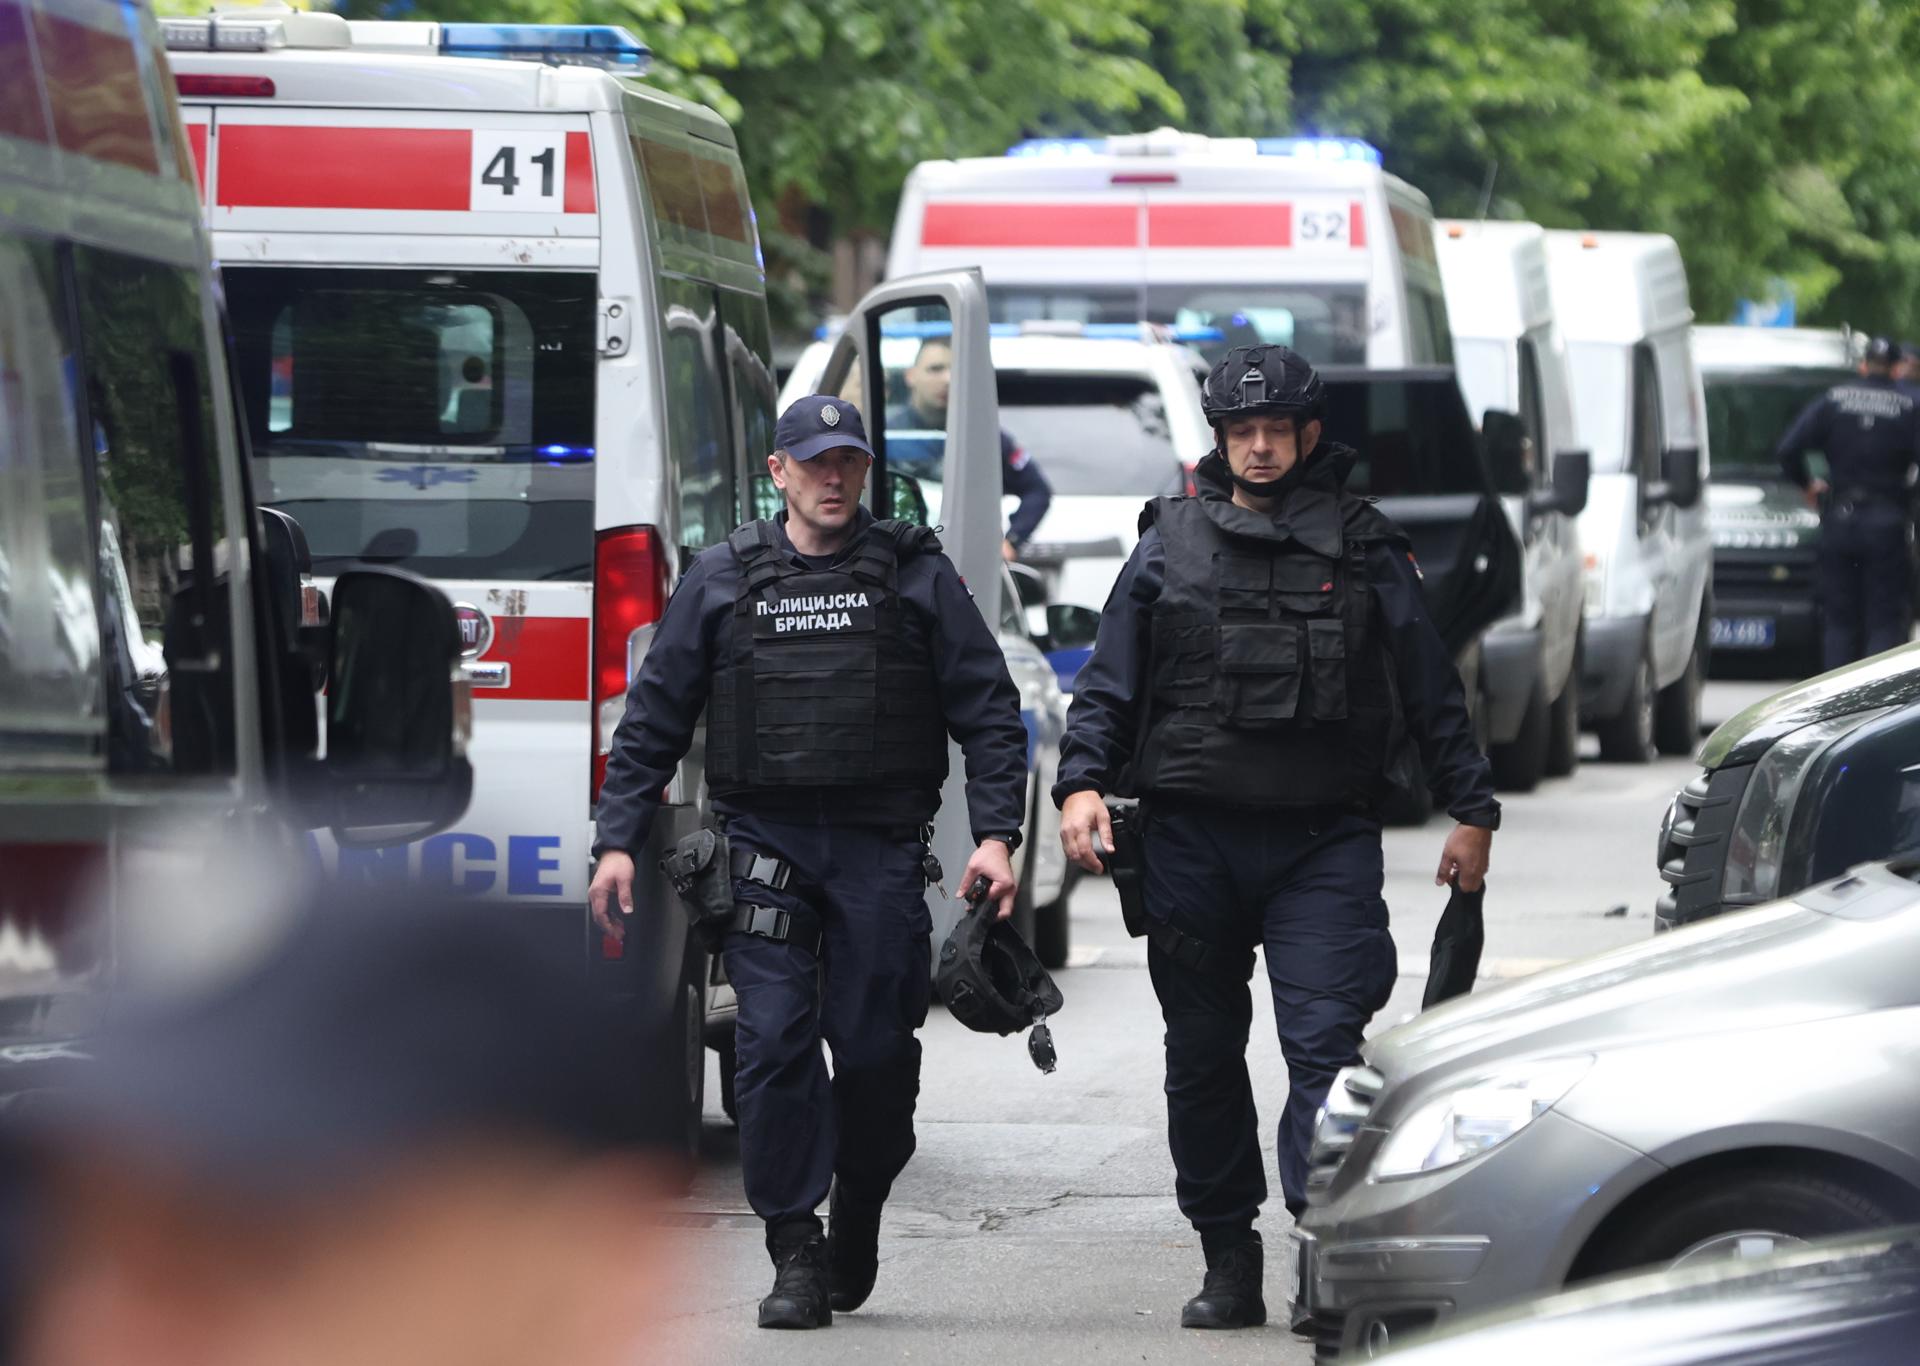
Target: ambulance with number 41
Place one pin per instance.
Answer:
(499, 313)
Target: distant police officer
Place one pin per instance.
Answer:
(832, 654)
(1257, 662)
(1869, 430)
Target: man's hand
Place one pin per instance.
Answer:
(991, 861)
(1815, 491)
(1465, 857)
(1009, 551)
(1083, 816)
(612, 882)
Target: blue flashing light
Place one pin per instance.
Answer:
(559, 455)
(1200, 334)
(1058, 147)
(601, 45)
(1319, 149)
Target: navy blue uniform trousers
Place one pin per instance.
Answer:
(865, 996)
(1306, 887)
(1866, 580)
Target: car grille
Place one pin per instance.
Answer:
(1743, 577)
(1693, 846)
(1349, 1102)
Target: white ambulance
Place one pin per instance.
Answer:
(1301, 241)
(500, 317)
(1512, 362)
(1644, 538)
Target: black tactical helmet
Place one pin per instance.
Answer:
(991, 980)
(1262, 379)
(1882, 352)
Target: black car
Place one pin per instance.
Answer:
(1850, 1303)
(1797, 789)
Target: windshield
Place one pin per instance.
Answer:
(1600, 401)
(1749, 411)
(1485, 367)
(438, 420)
(1325, 323)
(1093, 434)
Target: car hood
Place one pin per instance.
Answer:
(1838, 949)
(1886, 680)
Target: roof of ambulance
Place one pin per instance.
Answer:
(1494, 276)
(1617, 286)
(1092, 172)
(1723, 349)
(365, 76)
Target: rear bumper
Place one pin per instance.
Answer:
(1510, 667)
(1614, 648)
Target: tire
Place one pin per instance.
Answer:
(729, 1063)
(1563, 728)
(687, 1088)
(1762, 1205)
(1628, 737)
(1053, 933)
(1676, 712)
(1519, 765)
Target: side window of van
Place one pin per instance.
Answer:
(697, 428)
(1533, 412)
(50, 639)
(149, 412)
(755, 393)
(1648, 442)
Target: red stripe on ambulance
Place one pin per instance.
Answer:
(579, 174)
(547, 658)
(1356, 226)
(197, 144)
(1031, 225)
(1220, 225)
(286, 166)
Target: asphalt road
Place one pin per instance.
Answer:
(1037, 1223)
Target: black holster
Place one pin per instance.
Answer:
(700, 870)
(1128, 864)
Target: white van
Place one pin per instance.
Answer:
(500, 316)
(1512, 363)
(1765, 537)
(1300, 241)
(1622, 302)
(160, 643)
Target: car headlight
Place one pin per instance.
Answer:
(1476, 1116)
(1758, 840)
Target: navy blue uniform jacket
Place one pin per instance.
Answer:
(1869, 430)
(695, 638)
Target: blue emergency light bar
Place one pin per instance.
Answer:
(1058, 147)
(601, 45)
(1300, 149)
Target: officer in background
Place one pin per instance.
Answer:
(929, 381)
(1870, 433)
(1263, 658)
(832, 654)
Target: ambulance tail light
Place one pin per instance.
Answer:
(629, 594)
(224, 87)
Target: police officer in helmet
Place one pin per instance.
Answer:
(832, 654)
(1870, 432)
(1260, 667)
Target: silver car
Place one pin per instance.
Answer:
(1735, 1086)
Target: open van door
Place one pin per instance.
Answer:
(939, 467)
(1420, 456)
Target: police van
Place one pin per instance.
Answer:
(500, 315)
(1301, 241)
(161, 642)
(1512, 362)
(1645, 543)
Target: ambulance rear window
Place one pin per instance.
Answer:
(1327, 323)
(1092, 434)
(441, 420)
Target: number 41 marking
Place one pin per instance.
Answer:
(518, 172)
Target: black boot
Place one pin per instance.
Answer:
(1231, 1295)
(799, 1296)
(853, 1251)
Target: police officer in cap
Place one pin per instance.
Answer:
(1870, 433)
(833, 654)
(1260, 666)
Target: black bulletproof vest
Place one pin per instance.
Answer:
(826, 686)
(1270, 684)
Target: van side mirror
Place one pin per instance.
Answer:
(1072, 627)
(1504, 436)
(399, 711)
(289, 576)
(1680, 482)
(1572, 473)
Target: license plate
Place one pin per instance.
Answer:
(1299, 1276)
(1742, 633)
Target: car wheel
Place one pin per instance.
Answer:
(690, 1091)
(1676, 721)
(1563, 731)
(729, 1062)
(1519, 765)
(1734, 1218)
(1628, 737)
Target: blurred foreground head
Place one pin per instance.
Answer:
(379, 1143)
